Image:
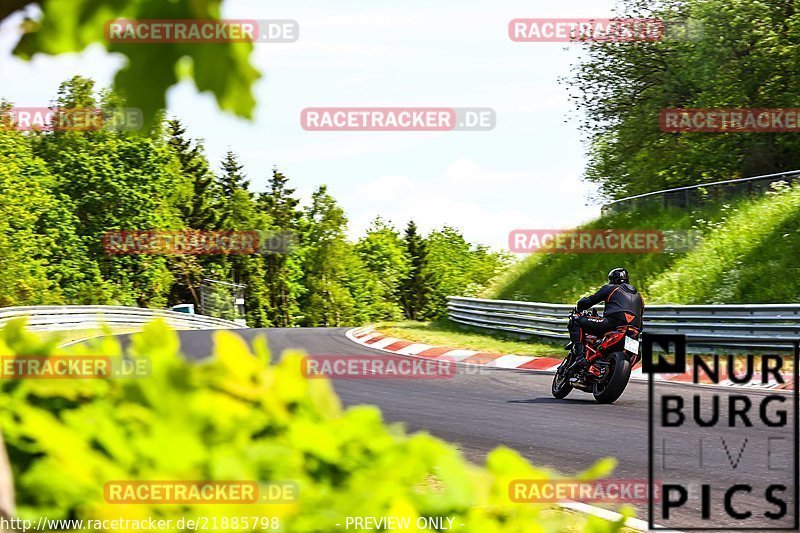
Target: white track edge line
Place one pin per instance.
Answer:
(633, 523)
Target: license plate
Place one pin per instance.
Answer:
(632, 345)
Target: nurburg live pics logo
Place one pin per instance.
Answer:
(724, 460)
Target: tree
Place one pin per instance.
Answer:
(7, 504)
(415, 288)
(110, 180)
(456, 267)
(232, 179)
(236, 201)
(745, 57)
(25, 197)
(62, 191)
(281, 266)
(383, 253)
(239, 212)
(199, 211)
(328, 301)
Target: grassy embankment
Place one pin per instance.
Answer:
(748, 254)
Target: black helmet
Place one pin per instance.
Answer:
(617, 276)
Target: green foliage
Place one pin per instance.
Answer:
(456, 267)
(25, 186)
(745, 245)
(62, 191)
(382, 251)
(749, 257)
(566, 277)
(283, 271)
(198, 212)
(236, 416)
(739, 54)
(110, 180)
(72, 25)
(236, 210)
(328, 301)
(416, 287)
(42, 258)
(340, 289)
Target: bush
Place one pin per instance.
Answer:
(236, 416)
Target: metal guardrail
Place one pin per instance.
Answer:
(729, 326)
(66, 317)
(695, 195)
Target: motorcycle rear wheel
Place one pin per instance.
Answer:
(612, 388)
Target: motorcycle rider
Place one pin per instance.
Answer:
(624, 306)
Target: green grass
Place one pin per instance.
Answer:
(445, 333)
(566, 277)
(748, 255)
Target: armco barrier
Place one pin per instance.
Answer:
(730, 326)
(65, 317)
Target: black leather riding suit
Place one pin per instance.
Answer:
(624, 306)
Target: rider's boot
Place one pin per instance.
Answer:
(579, 361)
(579, 354)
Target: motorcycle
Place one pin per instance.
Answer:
(607, 367)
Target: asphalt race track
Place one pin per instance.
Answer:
(513, 408)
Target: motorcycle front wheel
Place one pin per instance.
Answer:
(614, 385)
(561, 386)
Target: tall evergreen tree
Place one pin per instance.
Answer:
(199, 211)
(280, 204)
(236, 206)
(414, 289)
(232, 178)
(238, 212)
